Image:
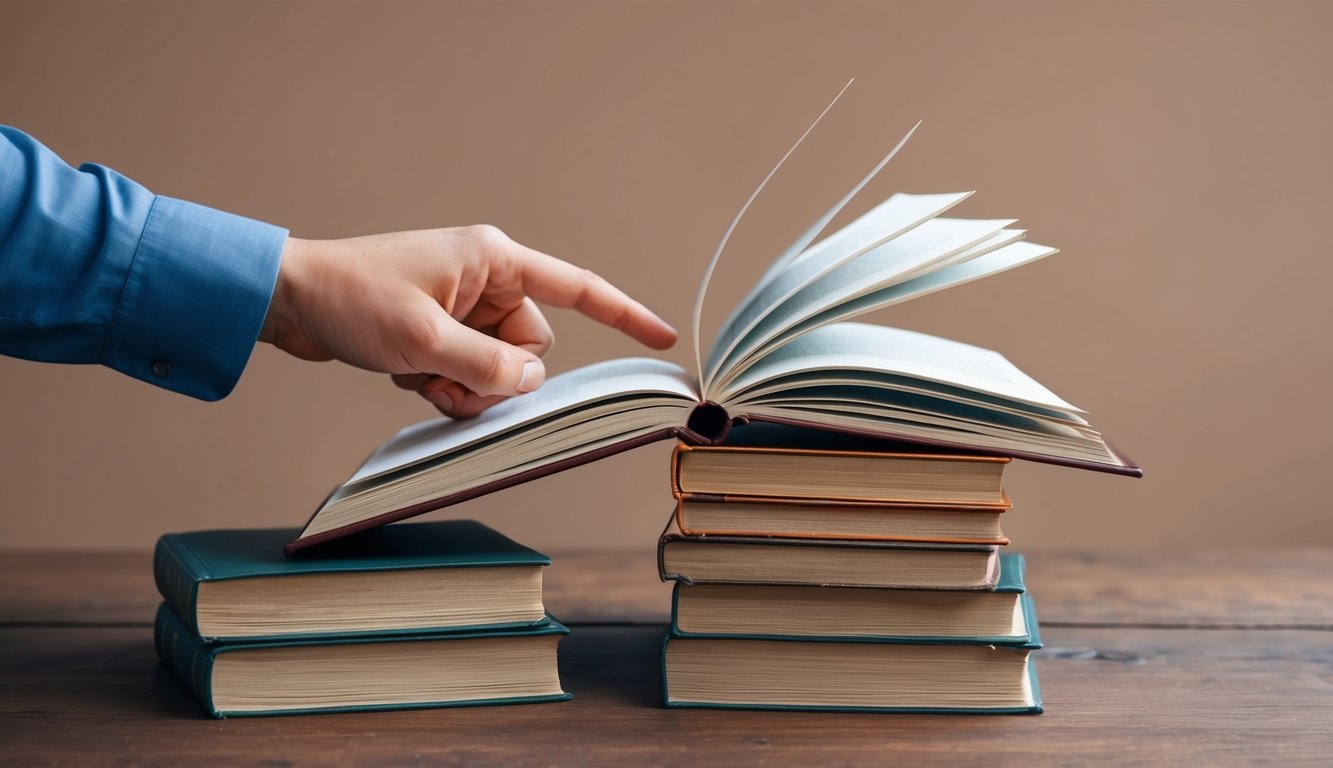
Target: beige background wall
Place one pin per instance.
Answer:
(1178, 153)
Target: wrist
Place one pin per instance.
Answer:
(280, 317)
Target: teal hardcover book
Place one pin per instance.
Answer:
(854, 675)
(763, 611)
(500, 666)
(236, 585)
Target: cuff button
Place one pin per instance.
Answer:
(162, 369)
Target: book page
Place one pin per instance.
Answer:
(570, 390)
(862, 347)
(799, 246)
(717, 254)
(797, 384)
(493, 461)
(875, 402)
(960, 271)
(918, 250)
(886, 221)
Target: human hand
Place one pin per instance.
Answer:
(449, 313)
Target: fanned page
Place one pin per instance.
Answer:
(932, 245)
(893, 217)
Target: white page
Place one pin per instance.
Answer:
(392, 491)
(885, 222)
(609, 379)
(790, 386)
(801, 243)
(942, 413)
(917, 250)
(968, 268)
(717, 253)
(862, 347)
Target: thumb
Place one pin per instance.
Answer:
(483, 364)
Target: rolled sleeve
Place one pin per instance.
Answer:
(198, 287)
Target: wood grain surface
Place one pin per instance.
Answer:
(1202, 659)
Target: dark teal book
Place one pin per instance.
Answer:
(289, 677)
(236, 585)
(862, 675)
(765, 611)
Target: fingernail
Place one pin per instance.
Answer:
(441, 400)
(534, 374)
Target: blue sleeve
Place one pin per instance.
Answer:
(94, 268)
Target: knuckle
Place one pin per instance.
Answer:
(421, 333)
(492, 370)
(588, 284)
(540, 345)
(488, 237)
(625, 319)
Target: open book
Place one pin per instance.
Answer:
(785, 355)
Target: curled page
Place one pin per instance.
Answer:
(886, 221)
(717, 254)
(964, 270)
(933, 244)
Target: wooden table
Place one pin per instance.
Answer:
(1201, 658)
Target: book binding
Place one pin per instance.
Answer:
(190, 659)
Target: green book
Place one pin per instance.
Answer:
(901, 674)
(780, 611)
(498, 666)
(236, 585)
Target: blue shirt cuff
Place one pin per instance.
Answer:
(195, 298)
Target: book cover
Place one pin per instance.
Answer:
(702, 514)
(193, 662)
(785, 355)
(182, 562)
(898, 478)
(738, 687)
(855, 563)
(787, 610)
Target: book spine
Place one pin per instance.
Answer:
(177, 572)
(185, 655)
(666, 694)
(1013, 577)
(676, 453)
(675, 607)
(662, 571)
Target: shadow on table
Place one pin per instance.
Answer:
(619, 666)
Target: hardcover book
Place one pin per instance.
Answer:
(967, 676)
(841, 475)
(726, 515)
(761, 611)
(454, 574)
(785, 355)
(499, 666)
(832, 562)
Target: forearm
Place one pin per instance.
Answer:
(94, 268)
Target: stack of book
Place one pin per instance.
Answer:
(810, 578)
(833, 580)
(415, 615)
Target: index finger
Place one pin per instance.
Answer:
(561, 284)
